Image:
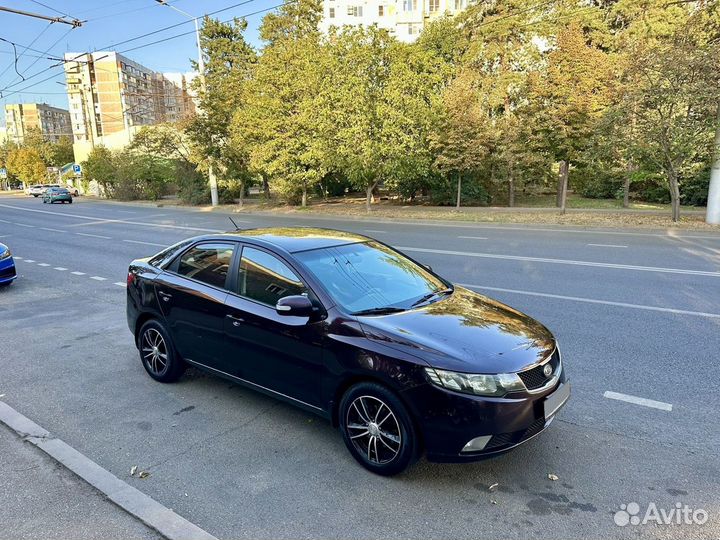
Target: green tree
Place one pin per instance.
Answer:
(279, 125)
(229, 63)
(27, 165)
(101, 167)
(569, 99)
(674, 101)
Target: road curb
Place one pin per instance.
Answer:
(153, 514)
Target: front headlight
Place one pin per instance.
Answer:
(5, 255)
(481, 385)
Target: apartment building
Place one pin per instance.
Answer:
(111, 97)
(52, 122)
(404, 18)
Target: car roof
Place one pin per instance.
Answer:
(294, 239)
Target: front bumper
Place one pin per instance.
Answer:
(7, 270)
(449, 420)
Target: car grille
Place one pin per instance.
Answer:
(7, 273)
(507, 439)
(534, 378)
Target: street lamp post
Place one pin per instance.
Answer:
(201, 68)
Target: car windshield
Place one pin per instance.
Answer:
(369, 276)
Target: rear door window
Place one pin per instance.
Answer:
(208, 263)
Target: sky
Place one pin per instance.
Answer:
(107, 22)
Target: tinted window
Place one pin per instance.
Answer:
(208, 263)
(265, 278)
(370, 275)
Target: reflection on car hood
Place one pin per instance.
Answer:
(465, 332)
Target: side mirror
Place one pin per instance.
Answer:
(296, 306)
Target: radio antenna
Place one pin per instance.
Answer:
(233, 222)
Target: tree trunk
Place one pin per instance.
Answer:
(511, 187)
(674, 194)
(459, 189)
(304, 195)
(564, 174)
(560, 181)
(241, 202)
(369, 195)
(626, 188)
(266, 188)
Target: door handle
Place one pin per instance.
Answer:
(236, 321)
(165, 296)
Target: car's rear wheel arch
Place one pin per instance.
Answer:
(141, 320)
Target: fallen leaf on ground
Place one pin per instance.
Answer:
(493, 486)
(553, 477)
(133, 470)
(143, 474)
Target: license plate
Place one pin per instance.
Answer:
(556, 400)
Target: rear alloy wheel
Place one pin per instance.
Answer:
(158, 353)
(377, 429)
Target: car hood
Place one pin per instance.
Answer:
(465, 332)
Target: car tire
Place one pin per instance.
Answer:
(158, 354)
(35, 196)
(389, 443)
(44, 201)
(70, 201)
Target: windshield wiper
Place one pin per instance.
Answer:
(379, 311)
(431, 295)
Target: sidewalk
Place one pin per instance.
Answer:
(40, 499)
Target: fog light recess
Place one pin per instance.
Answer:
(477, 444)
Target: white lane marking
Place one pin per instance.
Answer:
(669, 234)
(145, 243)
(169, 524)
(43, 264)
(374, 231)
(595, 301)
(120, 284)
(60, 268)
(29, 260)
(52, 230)
(564, 261)
(17, 258)
(639, 401)
(98, 278)
(100, 220)
(78, 273)
(606, 245)
(5, 221)
(94, 235)
(474, 237)
(24, 225)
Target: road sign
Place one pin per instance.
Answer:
(3, 173)
(77, 169)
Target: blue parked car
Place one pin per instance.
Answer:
(7, 266)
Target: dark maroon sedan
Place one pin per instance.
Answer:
(401, 360)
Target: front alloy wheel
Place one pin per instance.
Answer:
(158, 354)
(377, 429)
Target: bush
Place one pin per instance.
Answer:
(694, 190)
(443, 192)
(192, 187)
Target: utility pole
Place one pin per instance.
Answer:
(75, 23)
(201, 68)
(713, 204)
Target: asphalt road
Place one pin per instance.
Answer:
(636, 312)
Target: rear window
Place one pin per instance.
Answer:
(208, 263)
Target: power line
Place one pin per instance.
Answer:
(288, 2)
(47, 51)
(17, 57)
(20, 90)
